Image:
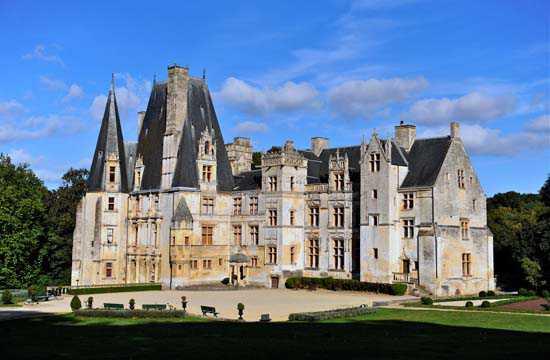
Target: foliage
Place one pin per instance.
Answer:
(132, 304)
(90, 302)
(225, 281)
(469, 304)
(240, 306)
(482, 294)
(485, 304)
(525, 292)
(491, 293)
(7, 297)
(342, 284)
(425, 300)
(75, 303)
(256, 159)
(115, 289)
(331, 314)
(545, 294)
(399, 289)
(521, 228)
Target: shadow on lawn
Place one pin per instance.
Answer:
(58, 337)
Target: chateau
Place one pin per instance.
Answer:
(181, 207)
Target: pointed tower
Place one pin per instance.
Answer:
(108, 171)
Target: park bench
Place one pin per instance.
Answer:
(209, 310)
(110, 306)
(265, 318)
(153, 306)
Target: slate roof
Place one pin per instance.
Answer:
(109, 142)
(425, 160)
(130, 148)
(182, 212)
(249, 180)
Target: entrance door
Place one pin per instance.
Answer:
(406, 266)
(274, 282)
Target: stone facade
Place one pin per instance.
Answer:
(183, 208)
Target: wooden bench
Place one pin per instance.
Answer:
(110, 306)
(153, 306)
(209, 310)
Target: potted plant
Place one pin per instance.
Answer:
(184, 303)
(90, 302)
(132, 304)
(240, 308)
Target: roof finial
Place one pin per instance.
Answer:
(113, 82)
(204, 75)
(154, 79)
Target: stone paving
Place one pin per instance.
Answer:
(279, 303)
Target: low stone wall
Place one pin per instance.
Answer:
(331, 314)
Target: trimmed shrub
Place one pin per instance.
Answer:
(491, 293)
(469, 304)
(225, 281)
(75, 303)
(146, 314)
(114, 289)
(485, 304)
(341, 284)
(525, 292)
(545, 294)
(425, 300)
(482, 294)
(132, 304)
(7, 297)
(90, 302)
(331, 314)
(399, 289)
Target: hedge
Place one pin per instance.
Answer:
(344, 284)
(114, 289)
(130, 313)
(331, 314)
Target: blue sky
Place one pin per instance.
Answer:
(286, 69)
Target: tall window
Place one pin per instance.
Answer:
(374, 194)
(408, 201)
(254, 234)
(292, 183)
(339, 181)
(208, 205)
(109, 269)
(253, 205)
(254, 261)
(207, 173)
(408, 228)
(111, 204)
(237, 235)
(272, 183)
(207, 232)
(338, 213)
(464, 229)
(460, 179)
(112, 174)
(154, 228)
(157, 203)
(313, 253)
(373, 220)
(194, 264)
(338, 254)
(375, 253)
(272, 217)
(474, 204)
(272, 254)
(466, 264)
(207, 147)
(374, 162)
(293, 254)
(292, 217)
(237, 205)
(314, 216)
(207, 264)
(110, 232)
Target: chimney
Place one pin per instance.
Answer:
(455, 130)
(405, 135)
(141, 116)
(289, 145)
(176, 101)
(318, 144)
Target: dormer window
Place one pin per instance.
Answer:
(408, 201)
(460, 179)
(112, 174)
(339, 181)
(374, 162)
(111, 204)
(292, 183)
(207, 173)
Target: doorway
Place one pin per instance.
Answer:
(274, 282)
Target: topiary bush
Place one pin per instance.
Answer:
(491, 293)
(75, 303)
(225, 281)
(485, 304)
(132, 304)
(425, 300)
(399, 289)
(469, 304)
(7, 297)
(240, 309)
(482, 294)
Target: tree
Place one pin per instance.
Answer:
(545, 192)
(22, 229)
(256, 159)
(532, 272)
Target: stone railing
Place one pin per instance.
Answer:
(320, 188)
(407, 278)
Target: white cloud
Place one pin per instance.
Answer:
(36, 127)
(75, 92)
(379, 4)
(52, 84)
(480, 140)
(540, 124)
(475, 106)
(362, 98)
(249, 127)
(11, 108)
(41, 52)
(289, 97)
(21, 156)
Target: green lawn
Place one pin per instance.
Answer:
(390, 333)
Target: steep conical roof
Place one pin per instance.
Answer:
(109, 143)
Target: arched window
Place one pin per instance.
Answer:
(206, 147)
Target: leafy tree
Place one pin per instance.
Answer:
(532, 272)
(22, 224)
(545, 192)
(256, 159)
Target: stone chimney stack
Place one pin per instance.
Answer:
(455, 130)
(176, 101)
(318, 144)
(141, 116)
(239, 153)
(405, 135)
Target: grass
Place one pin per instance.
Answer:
(390, 333)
